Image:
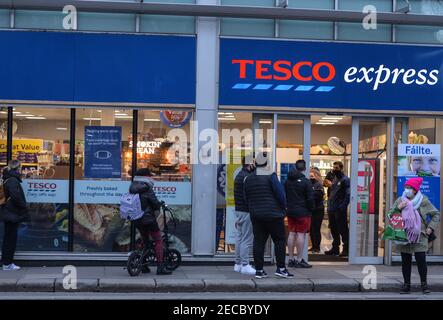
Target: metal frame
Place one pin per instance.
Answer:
(223, 11)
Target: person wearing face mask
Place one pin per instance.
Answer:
(338, 202)
(415, 207)
(300, 201)
(13, 212)
(318, 212)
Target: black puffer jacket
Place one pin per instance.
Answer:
(299, 195)
(240, 202)
(319, 195)
(15, 209)
(149, 202)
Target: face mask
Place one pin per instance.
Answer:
(337, 173)
(313, 180)
(408, 193)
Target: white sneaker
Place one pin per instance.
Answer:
(11, 267)
(237, 267)
(248, 269)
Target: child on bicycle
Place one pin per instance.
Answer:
(147, 224)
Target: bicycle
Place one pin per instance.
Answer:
(140, 260)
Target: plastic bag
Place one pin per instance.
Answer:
(395, 229)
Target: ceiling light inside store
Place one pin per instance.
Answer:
(36, 118)
(24, 115)
(16, 112)
(152, 120)
(327, 120)
(121, 114)
(333, 118)
(123, 117)
(62, 129)
(226, 119)
(325, 123)
(265, 121)
(92, 119)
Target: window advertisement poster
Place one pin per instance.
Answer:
(420, 160)
(103, 152)
(97, 222)
(366, 185)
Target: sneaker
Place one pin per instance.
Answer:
(304, 264)
(406, 288)
(315, 250)
(292, 263)
(248, 269)
(237, 267)
(425, 288)
(332, 252)
(283, 273)
(260, 274)
(11, 267)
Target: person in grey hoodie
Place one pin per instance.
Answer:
(147, 224)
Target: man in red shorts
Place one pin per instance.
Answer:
(300, 202)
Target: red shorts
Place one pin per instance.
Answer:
(299, 224)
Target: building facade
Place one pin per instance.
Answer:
(84, 106)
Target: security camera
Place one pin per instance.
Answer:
(283, 3)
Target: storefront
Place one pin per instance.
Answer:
(82, 111)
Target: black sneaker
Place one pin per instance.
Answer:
(425, 288)
(292, 263)
(406, 288)
(332, 252)
(283, 273)
(260, 274)
(304, 264)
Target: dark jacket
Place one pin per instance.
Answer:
(319, 196)
(240, 202)
(265, 196)
(340, 194)
(149, 202)
(15, 209)
(299, 195)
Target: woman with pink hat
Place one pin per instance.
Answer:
(415, 207)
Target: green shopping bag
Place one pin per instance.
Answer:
(395, 229)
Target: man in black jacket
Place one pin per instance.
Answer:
(266, 202)
(338, 201)
(243, 222)
(300, 199)
(13, 212)
(147, 224)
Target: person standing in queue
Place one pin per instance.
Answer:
(13, 211)
(243, 222)
(338, 202)
(300, 200)
(318, 212)
(265, 197)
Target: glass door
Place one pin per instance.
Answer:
(368, 189)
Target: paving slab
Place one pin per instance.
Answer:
(126, 285)
(81, 285)
(179, 285)
(36, 285)
(229, 285)
(284, 285)
(335, 285)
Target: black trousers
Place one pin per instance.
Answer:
(406, 266)
(338, 223)
(9, 242)
(262, 229)
(316, 222)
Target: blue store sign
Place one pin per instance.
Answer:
(88, 67)
(331, 75)
(103, 156)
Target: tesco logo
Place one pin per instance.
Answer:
(285, 70)
(165, 189)
(42, 185)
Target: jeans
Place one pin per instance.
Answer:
(262, 228)
(244, 237)
(316, 222)
(338, 223)
(9, 242)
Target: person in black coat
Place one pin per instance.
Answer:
(147, 225)
(13, 212)
(318, 212)
(300, 200)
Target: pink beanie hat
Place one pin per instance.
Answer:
(414, 183)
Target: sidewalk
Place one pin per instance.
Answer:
(321, 278)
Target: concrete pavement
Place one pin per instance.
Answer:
(322, 278)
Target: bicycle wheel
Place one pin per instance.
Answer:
(134, 264)
(173, 259)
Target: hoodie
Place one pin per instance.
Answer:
(299, 195)
(15, 208)
(144, 186)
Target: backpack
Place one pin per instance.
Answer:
(130, 207)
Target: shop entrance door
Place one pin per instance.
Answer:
(368, 189)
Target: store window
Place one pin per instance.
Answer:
(421, 34)
(307, 29)
(5, 18)
(3, 135)
(102, 175)
(32, 19)
(93, 21)
(167, 24)
(429, 131)
(41, 143)
(164, 147)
